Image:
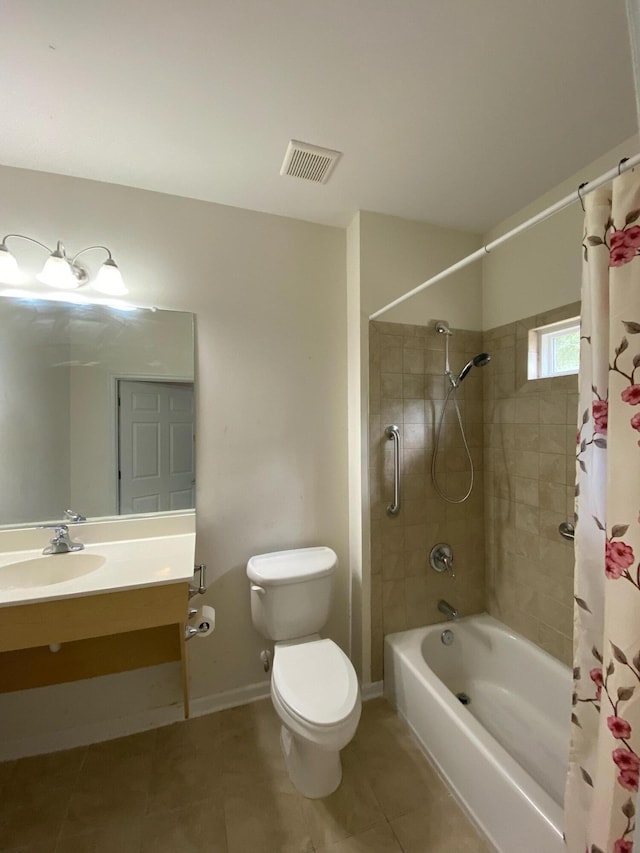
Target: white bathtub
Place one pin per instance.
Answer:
(505, 754)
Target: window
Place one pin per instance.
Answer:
(554, 350)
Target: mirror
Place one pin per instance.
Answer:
(96, 411)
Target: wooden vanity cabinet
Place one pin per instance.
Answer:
(98, 634)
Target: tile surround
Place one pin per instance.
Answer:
(407, 388)
(529, 434)
(522, 438)
(218, 784)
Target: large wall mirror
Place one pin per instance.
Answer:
(96, 411)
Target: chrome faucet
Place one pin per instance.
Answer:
(447, 609)
(76, 517)
(60, 543)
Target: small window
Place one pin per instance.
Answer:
(554, 350)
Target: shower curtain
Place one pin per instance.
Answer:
(604, 766)
(633, 19)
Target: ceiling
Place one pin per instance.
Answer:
(457, 113)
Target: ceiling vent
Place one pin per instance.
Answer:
(309, 162)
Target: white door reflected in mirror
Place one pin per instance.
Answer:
(155, 440)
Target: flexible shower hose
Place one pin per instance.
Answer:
(434, 479)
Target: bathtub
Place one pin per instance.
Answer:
(505, 753)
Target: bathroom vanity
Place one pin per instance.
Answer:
(119, 604)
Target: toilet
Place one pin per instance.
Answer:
(314, 687)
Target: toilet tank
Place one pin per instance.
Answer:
(291, 591)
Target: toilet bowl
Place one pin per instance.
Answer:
(314, 687)
(315, 692)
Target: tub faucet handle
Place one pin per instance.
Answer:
(441, 558)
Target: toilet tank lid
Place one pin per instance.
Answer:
(282, 567)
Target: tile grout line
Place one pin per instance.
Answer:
(66, 810)
(396, 837)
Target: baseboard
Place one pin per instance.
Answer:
(143, 721)
(230, 698)
(89, 733)
(154, 718)
(371, 690)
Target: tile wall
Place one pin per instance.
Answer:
(529, 453)
(407, 388)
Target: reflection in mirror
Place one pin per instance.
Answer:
(96, 411)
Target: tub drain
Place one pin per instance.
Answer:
(447, 637)
(464, 698)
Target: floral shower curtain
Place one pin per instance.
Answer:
(604, 768)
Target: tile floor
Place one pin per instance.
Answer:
(218, 784)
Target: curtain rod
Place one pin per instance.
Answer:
(577, 195)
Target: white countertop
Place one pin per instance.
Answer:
(130, 562)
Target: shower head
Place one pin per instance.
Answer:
(442, 328)
(477, 361)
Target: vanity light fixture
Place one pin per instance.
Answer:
(61, 271)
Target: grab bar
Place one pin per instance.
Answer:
(567, 530)
(393, 434)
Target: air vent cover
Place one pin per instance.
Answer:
(309, 162)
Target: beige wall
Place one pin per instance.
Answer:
(540, 269)
(269, 295)
(358, 485)
(397, 254)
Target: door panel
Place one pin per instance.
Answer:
(144, 401)
(145, 450)
(181, 500)
(151, 503)
(181, 448)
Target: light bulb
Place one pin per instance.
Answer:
(57, 272)
(9, 269)
(109, 280)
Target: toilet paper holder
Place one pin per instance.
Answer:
(191, 630)
(204, 626)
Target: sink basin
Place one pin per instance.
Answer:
(49, 570)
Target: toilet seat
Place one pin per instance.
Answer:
(315, 682)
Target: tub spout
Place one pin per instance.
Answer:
(447, 609)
